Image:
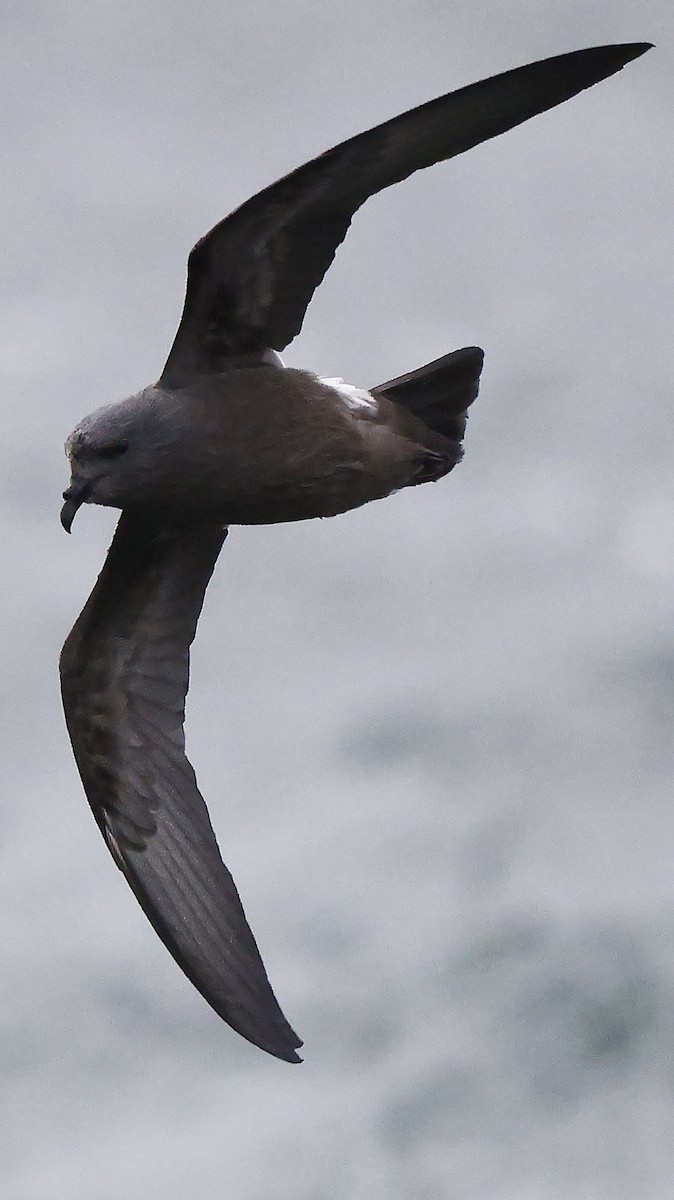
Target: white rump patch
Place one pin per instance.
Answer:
(354, 397)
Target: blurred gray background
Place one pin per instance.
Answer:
(436, 734)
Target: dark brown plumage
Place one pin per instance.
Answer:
(228, 435)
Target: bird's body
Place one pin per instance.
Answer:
(293, 447)
(351, 456)
(229, 436)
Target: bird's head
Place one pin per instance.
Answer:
(109, 457)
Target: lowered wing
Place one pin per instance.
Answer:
(124, 678)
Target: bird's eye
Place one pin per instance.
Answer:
(110, 450)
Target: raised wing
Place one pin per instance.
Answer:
(251, 278)
(124, 678)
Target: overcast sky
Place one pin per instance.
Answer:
(435, 734)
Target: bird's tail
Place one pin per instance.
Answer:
(440, 393)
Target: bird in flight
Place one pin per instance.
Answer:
(229, 436)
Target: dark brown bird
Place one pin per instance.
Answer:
(228, 435)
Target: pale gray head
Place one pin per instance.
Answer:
(113, 455)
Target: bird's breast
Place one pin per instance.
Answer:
(268, 444)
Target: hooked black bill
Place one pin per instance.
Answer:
(74, 497)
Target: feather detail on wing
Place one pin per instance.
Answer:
(251, 278)
(124, 678)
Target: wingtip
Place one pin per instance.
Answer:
(635, 49)
(290, 1056)
(284, 1047)
(613, 57)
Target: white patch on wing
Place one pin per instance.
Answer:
(354, 397)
